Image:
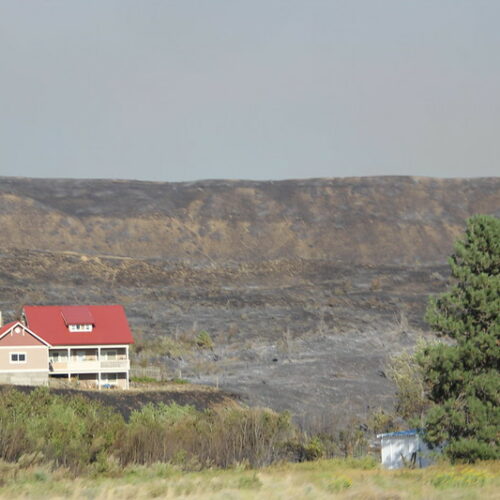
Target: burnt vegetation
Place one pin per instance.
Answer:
(292, 294)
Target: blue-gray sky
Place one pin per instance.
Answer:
(256, 89)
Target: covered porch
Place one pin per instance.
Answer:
(99, 380)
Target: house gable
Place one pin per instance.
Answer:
(16, 334)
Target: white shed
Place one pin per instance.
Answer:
(404, 448)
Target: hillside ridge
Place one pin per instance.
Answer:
(373, 220)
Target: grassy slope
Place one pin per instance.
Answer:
(314, 480)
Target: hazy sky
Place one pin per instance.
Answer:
(183, 90)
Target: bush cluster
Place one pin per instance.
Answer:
(70, 431)
(221, 436)
(75, 432)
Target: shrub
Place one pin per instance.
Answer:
(179, 381)
(249, 482)
(380, 422)
(314, 449)
(204, 341)
(153, 433)
(192, 438)
(406, 373)
(339, 484)
(352, 440)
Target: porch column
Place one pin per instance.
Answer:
(99, 368)
(127, 373)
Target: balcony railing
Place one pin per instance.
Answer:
(79, 366)
(123, 364)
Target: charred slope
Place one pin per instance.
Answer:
(311, 337)
(304, 286)
(379, 220)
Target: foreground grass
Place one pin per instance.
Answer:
(313, 480)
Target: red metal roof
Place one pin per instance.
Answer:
(7, 326)
(110, 324)
(77, 315)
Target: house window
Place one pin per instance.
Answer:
(18, 357)
(80, 328)
(109, 354)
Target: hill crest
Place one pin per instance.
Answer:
(373, 220)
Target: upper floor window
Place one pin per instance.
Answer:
(58, 356)
(18, 357)
(80, 328)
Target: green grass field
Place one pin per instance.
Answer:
(354, 479)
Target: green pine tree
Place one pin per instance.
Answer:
(462, 375)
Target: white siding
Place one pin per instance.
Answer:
(398, 450)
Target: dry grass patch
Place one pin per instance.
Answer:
(325, 479)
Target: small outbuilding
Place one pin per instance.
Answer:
(404, 449)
